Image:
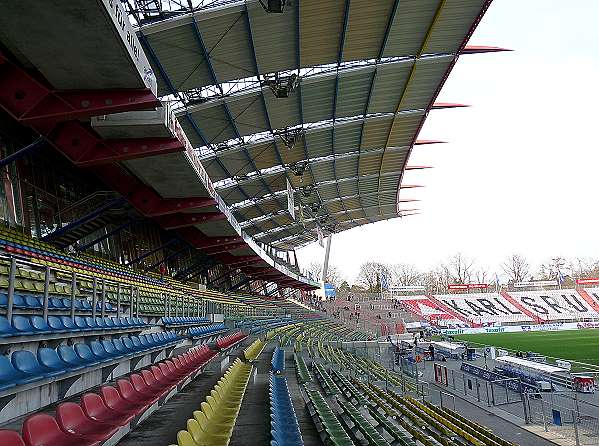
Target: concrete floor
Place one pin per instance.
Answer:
(161, 427)
(253, 422)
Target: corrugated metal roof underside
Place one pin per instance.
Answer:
(274, 37)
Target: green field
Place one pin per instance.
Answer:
(573, 345)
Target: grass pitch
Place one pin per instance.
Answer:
(573, 345)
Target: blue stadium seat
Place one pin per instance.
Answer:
(18, 301)
(85, 353)
(278, 361)
(39, 324)
(22, 325)
(111, 349)
(33, 302)
(99, 351)
(69, 324)
(120, 347)
(81, 323)
(3, 300)
(6, 329)
(56, 303)
(92, 323)
(56, 324)
(47, 357)
(24, 361)
(68, 355)
(11, 377)
(284, 426)
(137, 343)
(144, 342)
(128, 344)
(8, 374)
(86, 306)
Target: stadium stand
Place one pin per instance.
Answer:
(133, 257)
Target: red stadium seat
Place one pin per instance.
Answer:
(95, 408)
(113, 400)
(11, 438)
(128, 392)
(162, 378)
(141, 387)
(154, 384)
(42, 430)
(72, 419)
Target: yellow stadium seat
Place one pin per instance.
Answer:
(184, 438)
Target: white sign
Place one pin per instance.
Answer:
(534, 283)
(290, 200)
(407, 288)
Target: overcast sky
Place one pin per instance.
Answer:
(521, 170)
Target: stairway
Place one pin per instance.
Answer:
(588, 299)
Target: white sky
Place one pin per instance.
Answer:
(519, 173)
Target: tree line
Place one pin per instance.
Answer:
(459, 269)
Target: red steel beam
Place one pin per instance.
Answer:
(422, 142)
(478, 49)
(174, 221)
(418, 167)
(35, 103)
(201, 241)
(84, 147)
(443, 105)
(224, 248)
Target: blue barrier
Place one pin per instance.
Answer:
(488, 375)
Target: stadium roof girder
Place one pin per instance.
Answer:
(359, 93)
(237, 38)
(316, 23)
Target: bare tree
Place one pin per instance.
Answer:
(404, 274)
(481, 275)
(583, 268)
(369, 275)
(436, 280)
(552, 268)
(459, 268)
(334, 276)
(516, 268)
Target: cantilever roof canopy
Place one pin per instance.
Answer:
(369, 74)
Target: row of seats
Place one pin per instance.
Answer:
(252, 352)
(303, 373)
(325, 379)
(205, 330)
(213, 424)
(278, 361)
(98, 417)
(184, 320)
(24, 367)
(227, 341)
(35, 325)
(284, 428)
(328, 420)
(31, 302)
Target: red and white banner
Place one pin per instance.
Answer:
(587, 281)
(441, 374)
